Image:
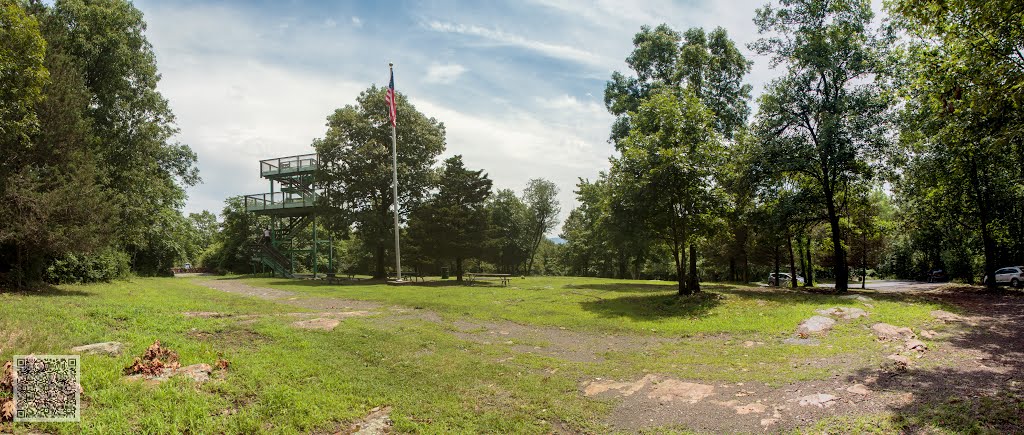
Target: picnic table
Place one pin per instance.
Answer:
(405, 275)
(503, 277)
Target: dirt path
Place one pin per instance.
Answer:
(981, 357)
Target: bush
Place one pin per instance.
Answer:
(102, 266)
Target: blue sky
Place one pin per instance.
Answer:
(519, 84)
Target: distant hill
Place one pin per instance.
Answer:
(557, 240)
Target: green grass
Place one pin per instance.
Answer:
(286, 380)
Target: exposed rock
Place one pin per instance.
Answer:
(768, 421)
(319, 323)
(858, 389)
(897, 363)
(802, 341)
(672, 389)
(820, 400)
(845, 313)
(916, 345)
(899, 359)
(929, 334)
(377, 422)
(111, 348)
(817, 325)
(946, 316)
(885, 331)
(599, 386)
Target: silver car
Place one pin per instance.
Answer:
(1013, 275)
(785, 278)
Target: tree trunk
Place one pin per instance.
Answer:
(809, 279)
(458, 270)
(838, 252)
(777, 266)
(380, 273)
(732, 269)
(680, 270)
(864, 261)
(792, 261)
(803, 259)
(693, 282)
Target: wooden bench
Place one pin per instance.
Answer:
(503, 277)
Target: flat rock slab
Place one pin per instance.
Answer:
(858, 389)
(856, 298)
(600, 386)
(886, 332)
(845, 313)
(817, 325)
(671, 389)
(916, 345)
(112, 348)
(320, 323)
(802, 341)
(820, 400)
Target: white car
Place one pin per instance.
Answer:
(786, 279)
(1013, 276)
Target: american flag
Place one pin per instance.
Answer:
(391, 101)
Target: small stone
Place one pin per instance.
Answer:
(929, 334)
(885, 331)
(845, 313)
(916, 345)
(818, 325)
(111, 348)
(858, 389)
(899, 359)
(946, 316)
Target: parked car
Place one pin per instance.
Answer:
(785, 279)
(937, 275)
(1013, 275)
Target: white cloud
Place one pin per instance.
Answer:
(357, 22)
(445, 74)
(556, 51)
(330, 23)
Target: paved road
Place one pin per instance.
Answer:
(892, 286)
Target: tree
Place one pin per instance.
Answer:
(355, 158)
(963, 80)
(540, 199)
(709, 64)
(665, 174)
(824, 120)
(452, 224)
(140, 164)
(508, 227)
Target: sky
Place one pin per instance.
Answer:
(519, 85)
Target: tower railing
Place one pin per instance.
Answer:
(288, 165)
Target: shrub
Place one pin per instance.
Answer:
(101, 266)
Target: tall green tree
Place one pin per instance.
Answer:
(452, 225)
(541, 201)
(963, 127)
(508, 228)
(665, 174)
(355, 155)
(142, 166)
(824, 121)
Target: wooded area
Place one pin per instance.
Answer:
(883, 149)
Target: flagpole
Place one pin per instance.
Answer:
(394, 180)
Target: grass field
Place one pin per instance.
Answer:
(425, 351)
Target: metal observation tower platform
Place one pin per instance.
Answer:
(292, 205)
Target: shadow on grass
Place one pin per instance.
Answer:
(626, 287)
(980, 388)
(315, 283)
(45, 291)
(654, 307)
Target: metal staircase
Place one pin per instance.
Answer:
(292, 205)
